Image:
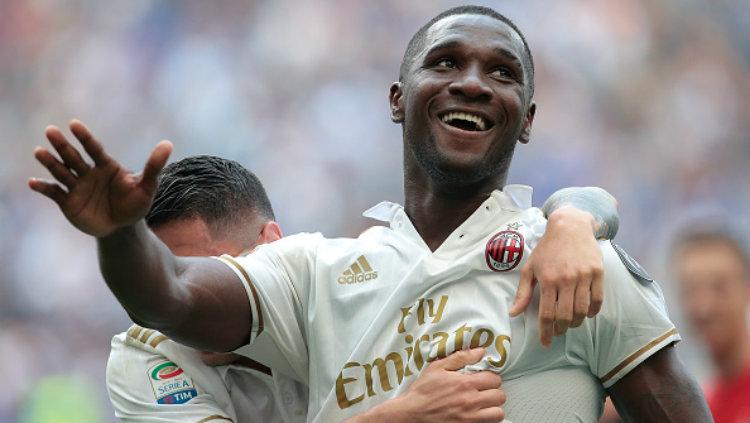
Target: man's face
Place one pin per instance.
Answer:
(465, 101)
(192, 237)
(715, 291)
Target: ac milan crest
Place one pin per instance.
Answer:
(504, 251)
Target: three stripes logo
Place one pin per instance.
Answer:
(504, 251)
(359, 271)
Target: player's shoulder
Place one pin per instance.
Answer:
(621, 264)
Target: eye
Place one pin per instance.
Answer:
(445, 63)
(503, 73)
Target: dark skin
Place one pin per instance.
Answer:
(473, 64)
(448, 174)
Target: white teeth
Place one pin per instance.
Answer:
(481, 124)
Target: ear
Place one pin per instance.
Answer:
(526, 131)
(271, 231)
(396, 97)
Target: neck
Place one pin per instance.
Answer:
(732, 361)
(437, 210)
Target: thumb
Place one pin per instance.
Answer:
(460, 359)
(155, 163)
(525, 290)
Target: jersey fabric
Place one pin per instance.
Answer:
(358, 319)
(153, 379)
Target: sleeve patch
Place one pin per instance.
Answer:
(170, 384)
(632, 265)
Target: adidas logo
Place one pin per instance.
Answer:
(359, 271)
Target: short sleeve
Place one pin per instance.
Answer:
(145, 386)
(277, 278)
(632, 325)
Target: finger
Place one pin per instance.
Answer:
(564, 310)
(581, 302)
(597, 293)
(492, 414)
(525, 290)
(485, 380)
(546, 314)
(155, 164)
(48, 189)
(55, 167)
(69, 155)
(460, 359)
(490, 398)
(93, 147)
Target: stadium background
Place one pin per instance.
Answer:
(646, 99)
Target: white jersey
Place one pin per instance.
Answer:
(358, 319)
(153, 379)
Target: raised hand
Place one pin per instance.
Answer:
(100, 198)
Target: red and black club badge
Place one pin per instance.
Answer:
(504, 251)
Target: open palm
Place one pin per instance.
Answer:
(101, 198)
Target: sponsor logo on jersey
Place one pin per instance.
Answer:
(170, 384)
(424, 342)
(360, 271)
(504, 251)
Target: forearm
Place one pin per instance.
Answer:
(596, 201)
(144, 276)
(390, 411)
(660, 390)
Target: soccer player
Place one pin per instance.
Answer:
(204, 206)
(357, 319)
(711, 263)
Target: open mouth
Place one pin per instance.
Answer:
(466, 121)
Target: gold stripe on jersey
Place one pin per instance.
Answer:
(142, 335)
(157, 340)
(134, 332)
(146, 334)
(250, 283)
(365, 265)
(214, 417)
(635, 355)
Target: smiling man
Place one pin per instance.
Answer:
(442, 275)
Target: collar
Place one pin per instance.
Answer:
(512, 198)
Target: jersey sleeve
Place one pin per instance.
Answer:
(277, 278)
(146, 387)
(632, 325)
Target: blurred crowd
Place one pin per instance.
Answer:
(649, 100)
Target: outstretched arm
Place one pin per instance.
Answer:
(188, 299)
(660, 390)
(567, 262)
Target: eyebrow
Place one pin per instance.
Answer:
(454, 43)
(507, 53)
(443, 46)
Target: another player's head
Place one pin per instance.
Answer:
(712, 266)
(206, 205)
(464, 96)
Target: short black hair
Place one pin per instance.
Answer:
(216, 190)
(416, 44)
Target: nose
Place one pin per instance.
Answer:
(471, 84)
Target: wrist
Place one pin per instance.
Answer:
(568, 216)
(391, 411)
